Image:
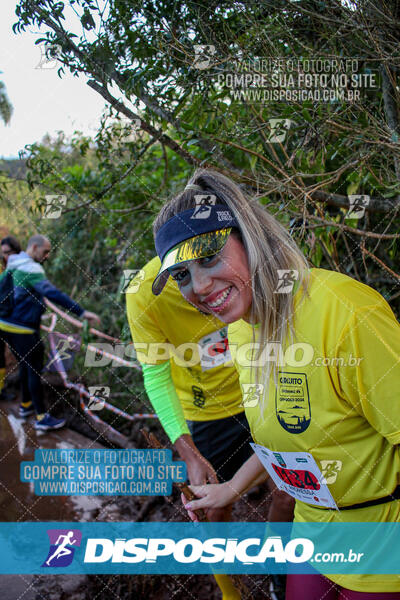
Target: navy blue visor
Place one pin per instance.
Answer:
(195, 233)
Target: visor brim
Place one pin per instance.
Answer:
(200, 246)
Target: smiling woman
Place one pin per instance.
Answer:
(233, 259)
(213, 231)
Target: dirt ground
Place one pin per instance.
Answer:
(18, 441)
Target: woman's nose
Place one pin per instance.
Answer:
(201, 281)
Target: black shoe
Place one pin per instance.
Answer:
(25, 411)
(6, 395)
(277, 587)
(48, 422)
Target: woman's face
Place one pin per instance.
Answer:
(218, 284)
(6, 252)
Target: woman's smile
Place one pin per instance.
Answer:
(222, 299)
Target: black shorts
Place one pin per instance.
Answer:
(223, 442)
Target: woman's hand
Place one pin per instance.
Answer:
(223, 494)
(214, 495)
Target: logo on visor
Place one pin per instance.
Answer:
(204, 202)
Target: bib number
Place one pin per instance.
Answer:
(214, 349)
(297, 474)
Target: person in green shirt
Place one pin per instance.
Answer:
(9, 245)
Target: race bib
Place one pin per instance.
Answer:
(214, 349)
(297, 474)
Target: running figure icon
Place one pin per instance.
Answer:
(62, 549)
(286, 280)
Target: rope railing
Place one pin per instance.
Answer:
(78, 323)
(79, 387)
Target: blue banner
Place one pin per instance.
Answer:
(193, 548)
(58, 472)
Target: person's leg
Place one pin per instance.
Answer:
(28, 350)
(34, 363)
(2, 362)
(282, 505)
(281, 510)
(23, 377)
(4, 394)
(225, 444)
(17, 348)
(310, 587)
(346, 594)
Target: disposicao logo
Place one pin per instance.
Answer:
(62, 547)
(192, 550)
(63, 543)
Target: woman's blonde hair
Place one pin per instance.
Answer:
(269, 249)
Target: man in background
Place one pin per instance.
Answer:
(9, 245)
(21, 328)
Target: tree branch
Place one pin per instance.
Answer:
(381, 263)
(158, 135)
(371, 234)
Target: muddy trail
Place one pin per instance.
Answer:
(19, 440)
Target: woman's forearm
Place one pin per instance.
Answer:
(250, 474)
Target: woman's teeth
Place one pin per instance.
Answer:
(221, 299)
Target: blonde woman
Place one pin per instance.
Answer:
(320, 351)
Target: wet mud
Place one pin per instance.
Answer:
(18, 441)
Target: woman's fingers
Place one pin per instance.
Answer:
(196, 504)
(212, 478)
(191, 514)
(204, 499)
(199, 490)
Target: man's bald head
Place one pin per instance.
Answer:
(38, 248)
(38, 240)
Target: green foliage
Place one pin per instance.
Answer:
(6, 108)
(164, 116)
